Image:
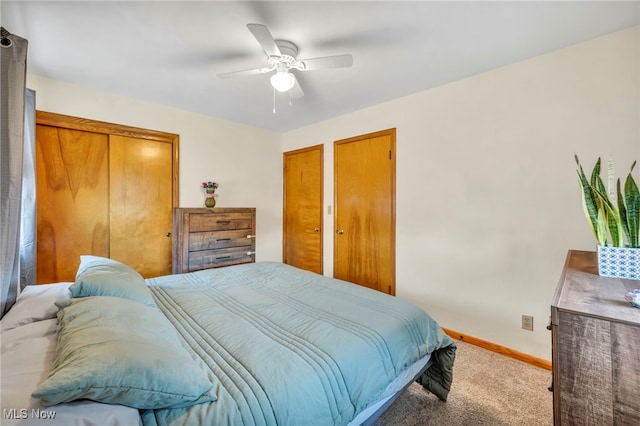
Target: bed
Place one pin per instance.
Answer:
(254, 344)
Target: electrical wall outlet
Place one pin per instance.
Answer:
(527, 322)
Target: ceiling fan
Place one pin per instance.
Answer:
(282, 58)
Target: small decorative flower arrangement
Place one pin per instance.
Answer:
(210, 186)
(210, 189)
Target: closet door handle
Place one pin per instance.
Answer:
(340, 231)
(316, 229)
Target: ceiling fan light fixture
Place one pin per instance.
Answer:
(283, 81)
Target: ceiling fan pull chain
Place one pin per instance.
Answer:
(289, 92)
(274, 100)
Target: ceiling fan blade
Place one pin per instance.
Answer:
(266, 40)
(337, 61)
(243, 73)
(296, 91)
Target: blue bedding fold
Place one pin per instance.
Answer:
(289, 347)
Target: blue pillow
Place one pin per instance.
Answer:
(99, 276)
(117, 351)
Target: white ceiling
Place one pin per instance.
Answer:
(169, 52)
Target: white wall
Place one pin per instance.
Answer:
(488, 201)
(246, 161)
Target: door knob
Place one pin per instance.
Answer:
(168, 234)
(340, 231)
(316, 229)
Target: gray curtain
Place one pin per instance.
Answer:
(13, 71)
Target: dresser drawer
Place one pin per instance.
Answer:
(214, 258)
(219, 240)
(220, 222)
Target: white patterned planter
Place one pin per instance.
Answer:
(619, 262)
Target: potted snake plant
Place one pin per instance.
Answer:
(613, 213)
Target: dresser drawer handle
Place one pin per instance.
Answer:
(223, 258)
(251, 253)
(251, 236)
(222, 239)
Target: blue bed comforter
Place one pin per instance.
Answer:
(288, 347)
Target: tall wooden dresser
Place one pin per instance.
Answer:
(205, 238)
(595, 347)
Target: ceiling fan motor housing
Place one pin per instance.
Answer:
(288, 50)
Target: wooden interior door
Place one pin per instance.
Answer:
(302, 228)
(72, 190)
(140, 195)
(364, 219)
(103, 189)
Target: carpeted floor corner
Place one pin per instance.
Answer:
(488, 389)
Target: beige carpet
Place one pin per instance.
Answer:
(488, 389)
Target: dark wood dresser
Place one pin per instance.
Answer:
(595, 347)
(205, 238)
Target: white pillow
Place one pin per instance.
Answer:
(35, 303)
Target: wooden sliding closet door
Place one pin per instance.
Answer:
(106, 190)
(141, 205)
(72, 187)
